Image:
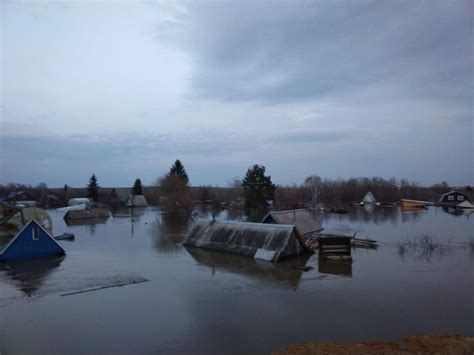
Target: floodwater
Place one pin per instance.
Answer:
(199, 301)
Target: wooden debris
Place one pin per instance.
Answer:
(304, 268)
(104, 287)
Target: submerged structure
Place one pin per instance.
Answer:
(137, 201)
(78, 201)
(369, 198)
(453, 198)
(32, 242)
(302, 219)
(20, 217)
(256, 240)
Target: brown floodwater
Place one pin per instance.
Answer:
(200, 301)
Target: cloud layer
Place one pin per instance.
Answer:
(332, 88)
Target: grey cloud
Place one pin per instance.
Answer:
(284, 51)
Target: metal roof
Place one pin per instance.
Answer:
(245, 238)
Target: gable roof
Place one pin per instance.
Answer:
(443, 196)
(245, 238)
(303, 220)
(369, 198)
(465, 204)
(8, 252)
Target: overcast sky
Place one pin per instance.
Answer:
(333, 88)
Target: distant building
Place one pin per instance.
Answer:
(256, 240)
(453, 198)
(19, 196)
(137, 201)
(33, 241)
(369, 198)
(78, 201)
(303, 220)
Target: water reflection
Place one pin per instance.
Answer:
(207, 212)
(86, 221)
(28, 276)
(339, 268)
(377, 215)
(168, 231)
(282, 273)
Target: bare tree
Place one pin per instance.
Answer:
(313, 184)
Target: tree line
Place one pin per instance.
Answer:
(256, 191)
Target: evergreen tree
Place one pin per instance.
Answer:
(137, 188)
(178, 170)
(93, 188)
(257, 188)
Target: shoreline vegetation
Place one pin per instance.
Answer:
(419, 344)
(314, 189)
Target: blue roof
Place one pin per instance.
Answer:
(33, 241)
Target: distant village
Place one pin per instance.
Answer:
(314, 190)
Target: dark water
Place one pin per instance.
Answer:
(199, 301)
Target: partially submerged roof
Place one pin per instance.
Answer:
(13, 224)
(78, 201)
(369, 198)
(454, 192)
(267, 241)
(137, 201)
(303, 220)
(465, 204)
(33, 241)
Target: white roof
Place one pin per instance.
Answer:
(465, 204)
(78, 201)
(369, 198)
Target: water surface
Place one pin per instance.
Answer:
(202, 301)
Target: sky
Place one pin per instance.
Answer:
(337, 89)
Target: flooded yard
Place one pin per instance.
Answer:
(200, 301)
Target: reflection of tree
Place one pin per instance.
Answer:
(168, 231)
(372, 214)
(423, 247)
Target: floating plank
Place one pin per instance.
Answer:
(104, 287)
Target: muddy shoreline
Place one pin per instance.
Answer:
(420, 344)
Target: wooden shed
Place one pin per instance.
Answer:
(256, 240)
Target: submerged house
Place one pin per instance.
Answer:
(369, 198)
(453, 198)
(33, 241)
(79, 201)
(256, 240)
(302, 219)
(137, 201)
(20, 218)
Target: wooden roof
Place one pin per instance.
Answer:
(303, 220)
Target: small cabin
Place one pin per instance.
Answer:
(454, 198)
(32, 242)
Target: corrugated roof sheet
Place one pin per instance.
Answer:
(303, 220)
(245, 238)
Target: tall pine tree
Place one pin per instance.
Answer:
(177, 169)
(93, 188)
(258, 188)
(137, 188)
